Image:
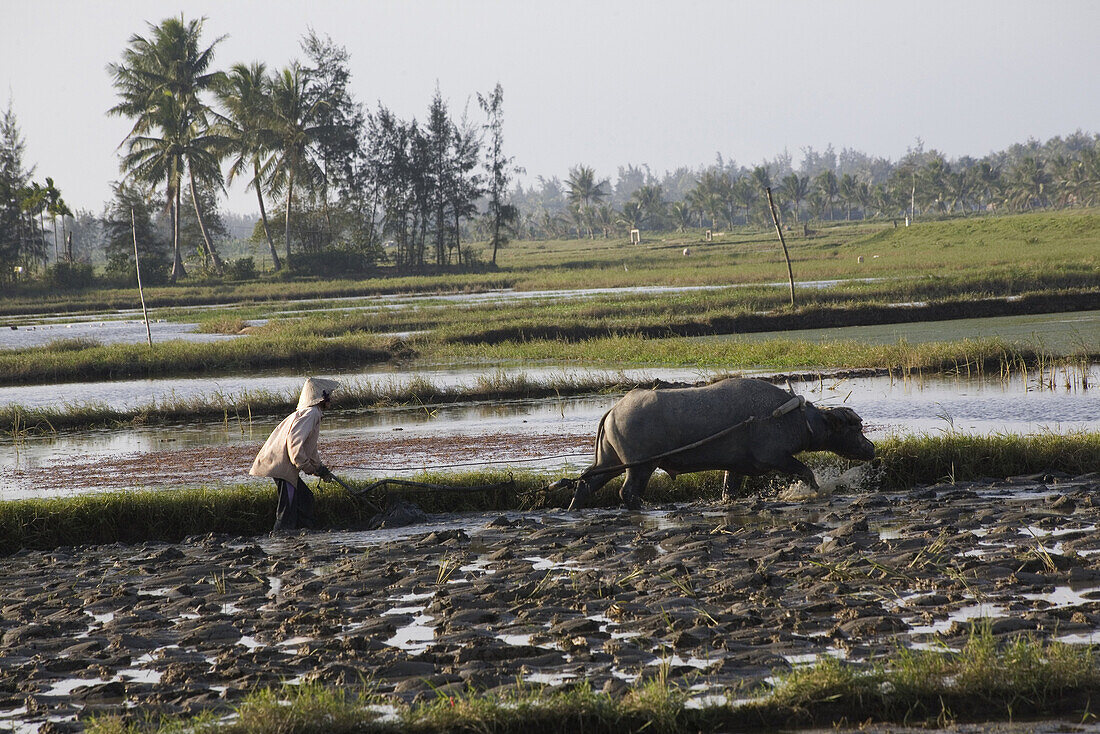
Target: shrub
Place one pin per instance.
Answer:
(243, 268)
(70, 276)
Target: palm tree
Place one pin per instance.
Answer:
(748, 194)
(848, 188)
(984, 180)
(1028, 184)
(826, 183)
(604, 218)
(296, 123)
(795, 188)
(761, 177)
(244, 93)
(681, 213)
(631, 215)
(707, 195)
(161, 80)
(584, 190)
(651, 200)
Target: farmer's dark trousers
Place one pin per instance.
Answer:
(295, 508)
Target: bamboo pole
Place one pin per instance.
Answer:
(779, 231)
(141, 292)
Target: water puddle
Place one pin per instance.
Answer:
(549, 679)
(1067, 596)
(416, 636)
(964, 614)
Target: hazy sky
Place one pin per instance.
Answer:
(667, 83)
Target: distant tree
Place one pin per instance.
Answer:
(161, 81)
(583, 188)
(710, 195)
(440, 134)
(1027, 184)
(340, 119)
(465, 185)
(297, 122)
(632, 214)
(499, 168)
(392, 174)
(153, 247)
(848, 191)
(211, 227)
(984, 182)
(244, 93)
(32, 202)
(761, 177)
(749, 195)
(681, 215)
(795, 189)
(826, 183)
(650, 199)
(817, 203)
(17, 229)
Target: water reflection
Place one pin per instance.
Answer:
(1062, 333)
(105, 332)
(888, 406)
(130, 394)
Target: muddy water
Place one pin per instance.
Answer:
(718, 598)
(122, 331)
(532, 434)
(36, 329)
(129, 394)
(1060, 333)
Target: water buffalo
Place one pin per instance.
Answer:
(743, 426)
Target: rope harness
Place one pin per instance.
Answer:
(797, 402)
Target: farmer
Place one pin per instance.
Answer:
(292, 448)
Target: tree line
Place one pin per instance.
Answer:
(338, 188)
(341, 189)
(1063, 172)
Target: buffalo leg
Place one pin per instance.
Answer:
(731, 486)
(796, 468)
(587, 486)
(636, 479)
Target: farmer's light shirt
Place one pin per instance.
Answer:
(291, 447)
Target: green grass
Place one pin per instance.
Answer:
(988, 680)
(123, 361)
(171, 515)
(990, 358)
(1046, 262)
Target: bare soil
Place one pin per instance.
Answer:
(722, 597)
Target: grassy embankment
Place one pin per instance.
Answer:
(987, 358)
(1040, 262)
(990, 679)
(171, 515)
(1046, 243)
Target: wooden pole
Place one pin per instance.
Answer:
(141, 292)
(779, 231)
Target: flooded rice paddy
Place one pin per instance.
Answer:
(122, 326)
(524, 434)
(104, 331)
(717, 598)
